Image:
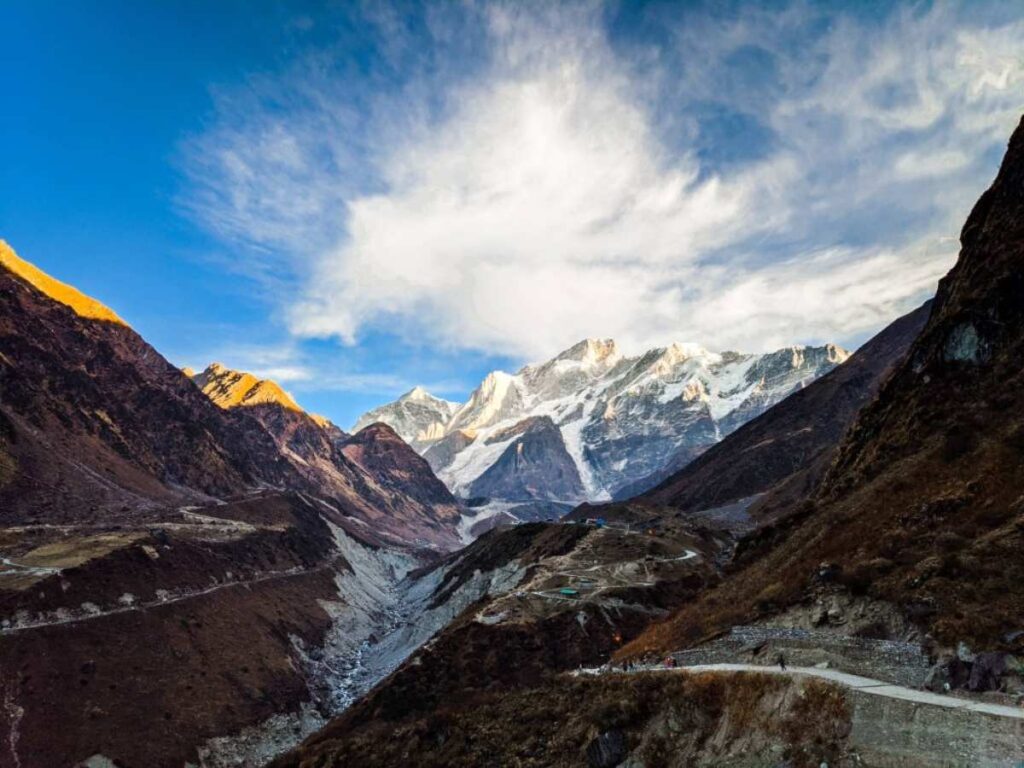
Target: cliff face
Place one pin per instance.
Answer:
(534, 465)
(961, 382)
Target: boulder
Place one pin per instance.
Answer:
(937, 679)
(988, 670)
(950, 672)
(607, 750)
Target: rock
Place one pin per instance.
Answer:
(835, 613)
(1013, 684)
(828, 572)
(950, 672)
(607, 750)
(1012, 637)
(937, 679)
(988, 670)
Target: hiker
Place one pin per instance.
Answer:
(782, 662)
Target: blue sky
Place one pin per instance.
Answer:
(356, 198)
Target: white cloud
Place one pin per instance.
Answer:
(556, 190)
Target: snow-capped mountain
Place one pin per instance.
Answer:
(592, 420)
(419, 417)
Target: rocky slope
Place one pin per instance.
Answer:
(922, 507)
(174, 570)
(374, 478)
(534, 464)
(96, 423)
(508, 631)
(620, 418)
(228, 389)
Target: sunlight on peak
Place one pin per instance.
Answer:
(83, 305)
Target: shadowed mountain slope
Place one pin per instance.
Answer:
(95, 425)
(923, 505)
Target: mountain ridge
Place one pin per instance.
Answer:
(95, 423)
(68, 295)
(620, 417)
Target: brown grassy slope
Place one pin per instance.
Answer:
(923, 505)
(90, 403)
(146, 687)
(94, 422)
(666, 720)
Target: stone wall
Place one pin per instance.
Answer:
(893, 733)
(889, 660)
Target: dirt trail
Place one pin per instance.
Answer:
(857, 682)
(284, 574)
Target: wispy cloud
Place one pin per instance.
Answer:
(514, 177)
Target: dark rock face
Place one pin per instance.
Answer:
(440, 454)
(969, 350)
(607, 750)
(679, 460)
(380, 451)
(536, 465)
(988, 670)
(794, 434)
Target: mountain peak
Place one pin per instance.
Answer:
(684, 350)
(418, 395)
(228, 388)
(69, 296)
(591, 351)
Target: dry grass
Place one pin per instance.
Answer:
(941, 539)
(667, 719)
(73, 551)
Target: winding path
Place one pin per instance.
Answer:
(171, 598)
(864, 684)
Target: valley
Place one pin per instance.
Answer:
(812, 557)
(855, 603)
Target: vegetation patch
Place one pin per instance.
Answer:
(665, 720)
